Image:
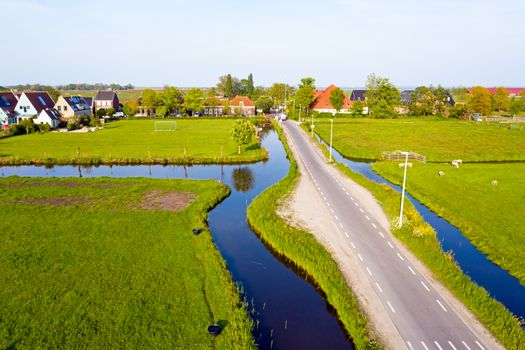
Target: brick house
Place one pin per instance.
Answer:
(322, 102)
(106, 100)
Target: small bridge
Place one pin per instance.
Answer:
(398, 155)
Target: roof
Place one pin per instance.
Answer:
(40, 100)
(89, 100)
(358, 95)
(9, 113)
(406, 96)
(8, 101)
(52, 113)
(77, 103)
(511, 90)
(322, 99)
(236, 101)
(105, 96)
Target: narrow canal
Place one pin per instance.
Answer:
(289, 312)
(497, 282)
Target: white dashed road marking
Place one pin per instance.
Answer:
(374, 225)
(340, 224)
(353, 245)
(390, 306)
(368, 270)
(424, 285)
(390, 244)
(360, 257)
(452, 345)
(438, 346)
(366, 216)
(439, 302)
(480, 346)
(346, 234)
(400, 257)
(381, 234)
(379, 287)
(424, 345)
(361, 210)
(410, 345)
(466, 346)
(413, 272)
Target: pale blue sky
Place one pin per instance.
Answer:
(192, 43)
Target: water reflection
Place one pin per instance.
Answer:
(243, 179)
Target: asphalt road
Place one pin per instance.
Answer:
(423, 318)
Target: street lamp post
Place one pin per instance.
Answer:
(403, 190)
(331, 137)
(313, 126)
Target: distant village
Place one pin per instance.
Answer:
(42, 110)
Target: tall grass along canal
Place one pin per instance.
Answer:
(288, 311)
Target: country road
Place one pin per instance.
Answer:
(421, 315)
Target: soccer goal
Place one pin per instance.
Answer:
(165, 125)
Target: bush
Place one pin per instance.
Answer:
(101, 112)
(94, 121)
(17, 129)
(458, 111)
(43, 128)
(29, 126)
(85, 121)
(72, 125)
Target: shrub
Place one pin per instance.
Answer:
(17, 129)
(72, 125)
(43, 128)
(101, 112)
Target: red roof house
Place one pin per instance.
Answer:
(322, 101)
(242, 105)
(513, 91)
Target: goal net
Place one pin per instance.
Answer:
(165, 125)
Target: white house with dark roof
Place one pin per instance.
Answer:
(73, 106)
(48, 116)
(30, 104)
(106, 100)
(8, 102)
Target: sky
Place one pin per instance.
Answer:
(193, 42)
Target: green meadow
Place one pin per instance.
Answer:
(440, 140)
(490, 215)
(132, 142)
(112, 263)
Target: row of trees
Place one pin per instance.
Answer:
(480, 100)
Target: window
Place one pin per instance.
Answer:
(41, 99)
(58, 107)
(65, 108)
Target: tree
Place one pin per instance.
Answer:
(110, 112)
(305, 94)
(162, 111)
(242, 133)
(337, 97)
(149, 99)
(357, 108)
(130, 108)
(264, 103)
(171, 99)
(382, 96)
(213, 102)
(101, 112)
(249, 86)
(193, 100)
(278, 91)
(480, 101)
(228, 86)
(501, 99)
(28, 125)
(516, 106)
(52, 92)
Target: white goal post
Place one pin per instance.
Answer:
(165, 125)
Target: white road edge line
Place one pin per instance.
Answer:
(390, 306)
(340, 224)
(374, 225)
(438, 346)
(346, 234)
(400, 257)
(465, 344)
(381, 234)
(353, 245)
(368, 270)
(335, 216)
(452, 345)
(424, 345)
(390, 244)
(379, 287)
(439, 302)
(361, 210)
(424, 285)
(366, 216)
(360, 257)
(480, 346)
(413, 272)
(410, 345)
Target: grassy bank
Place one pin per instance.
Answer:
(421, 240)
(494, 219)
(441, 140)
(309, 255)
(132, 142)
(112, 263)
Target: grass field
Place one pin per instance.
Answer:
(419, 237)
(112, 263)
(132, 141)
(491, 216)
(440, 140)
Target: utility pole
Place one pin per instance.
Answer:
(403, 190)
(313, 126)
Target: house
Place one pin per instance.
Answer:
(106, 100)
(358, 95)
(323, 104)
(8, 102)
(513, 91)
(48, 116)
(73, 106)
(242, 105)
(30, 104)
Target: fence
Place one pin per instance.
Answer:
(398, 155)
